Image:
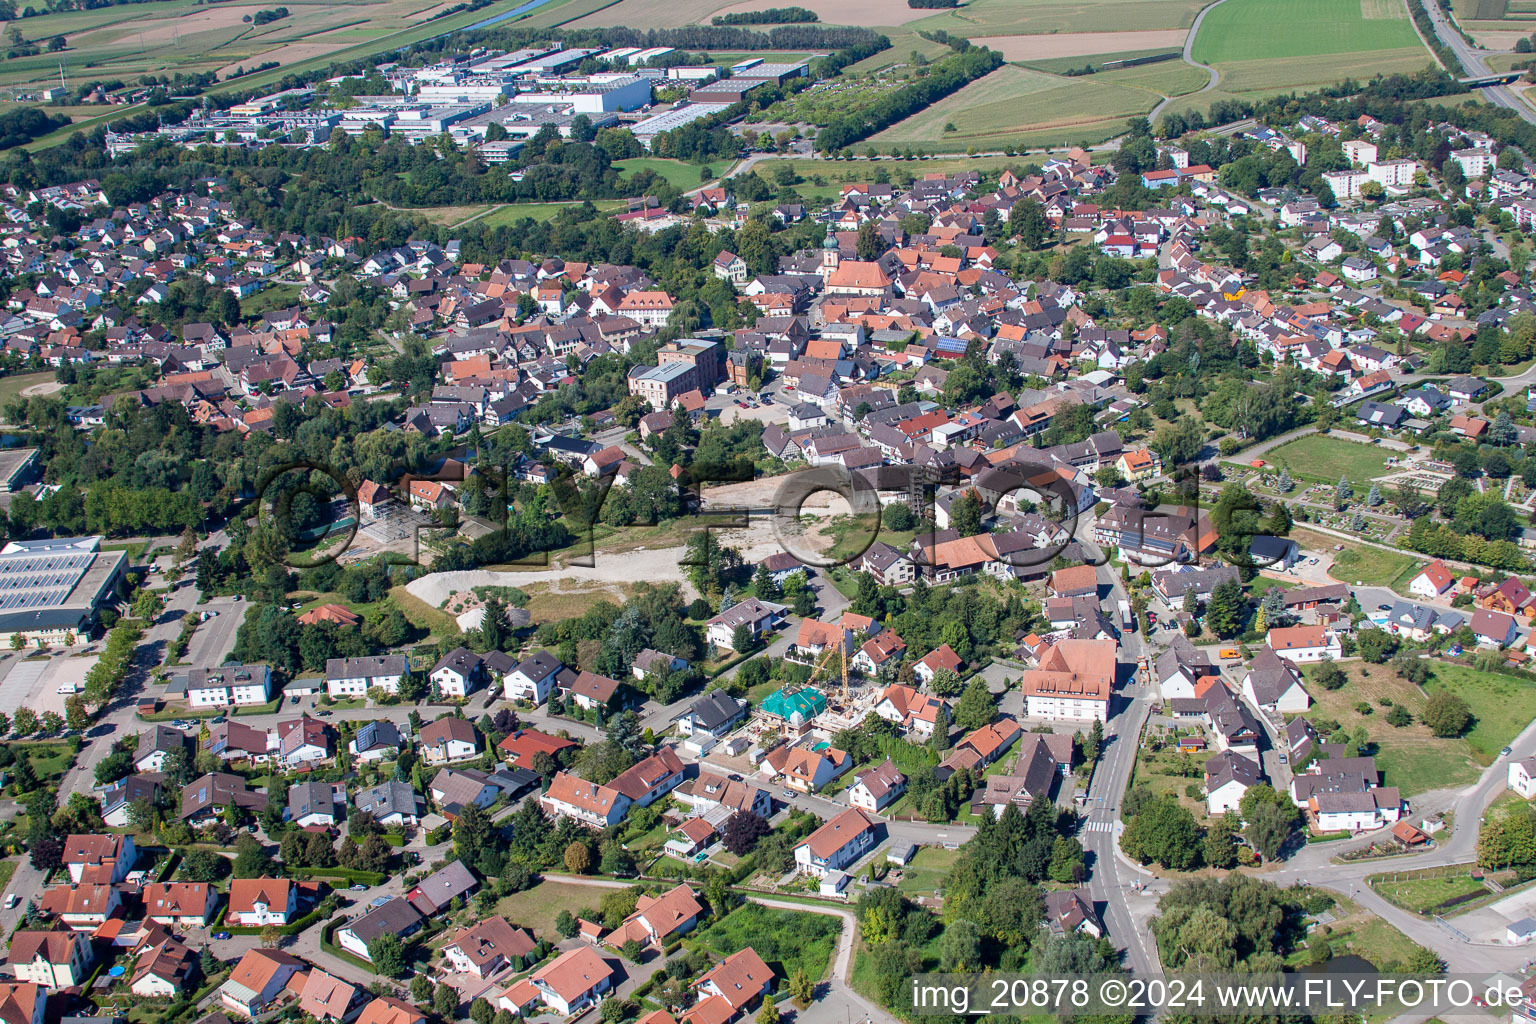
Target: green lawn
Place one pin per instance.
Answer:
(1241, 30)
(787, 940)
(510, 214)
(1421, 895)
(684, 176)
(1326, 458)
(924, 875)
(1410, 757)
(1501, 705)
(13, 385)
(1360, 932)
(1371, 566)
(537, 908)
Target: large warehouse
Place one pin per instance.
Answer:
(51, 590)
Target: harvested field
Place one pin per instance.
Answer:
(1080, 44)
(1010, 17)
(289, 53)
(165, 30)
(1500, 40)
(1282, 74)
(864, 13)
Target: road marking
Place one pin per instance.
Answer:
(1101, 826)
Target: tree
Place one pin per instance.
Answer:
(565, 924)
(802, 988)
(1223, 613)
(445, 1000)
(1446, 714)
(1328, 675)
(1220, 846)
(1373, 497)
(742, 831)
(577, 858)
(1376, 645)
(1164, 832)
(1270, 819)
(1027, 221)
(271, 936)
(25, 721)
(1285, 484)
(1342, 493)
(976, 707)
(768, 1013)
(741, 638)
(251, 860)
(1399, 716)
(965, 514)
(1067, 864)
(75, 715)
(960, 946)
(386, 954)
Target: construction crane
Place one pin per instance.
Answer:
(841, 647)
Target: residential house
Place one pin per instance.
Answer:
(391, 803)
(1228, 776)
(838, 843)
(573, 980)
(174, 903)
(354, 677)
(534, 678)
(729, 990)
(83, 906)
(487, 947)
(1073, 679)
(376, 741)
(590, 804)
(714, 714)
(258, 902)
(313, 804)
(209, 797)
(326, 997)
(1273, 684)
(874, 789)
(163, 970)
(50, 959)
(448, 739)
(1305, 643)
(457, 673)
(258, 979)
(391, 916)
(437, 890)
(99, 858)
(658, 920)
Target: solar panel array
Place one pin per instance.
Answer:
(40, 581)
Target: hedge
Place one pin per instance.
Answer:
(344, 874)
(291, 928)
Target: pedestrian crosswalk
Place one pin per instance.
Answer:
(1099, 826)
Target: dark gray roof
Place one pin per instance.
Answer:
(715, 708)
(395, 917)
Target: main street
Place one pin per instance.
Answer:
(1111, 875)
(1474, 64)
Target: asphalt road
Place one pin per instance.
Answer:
(1473, 64)
(1111, 878)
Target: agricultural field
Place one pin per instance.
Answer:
(1015, 105)
(1034, 48)
(1240, 30)
(1010, 17)
(1263, 47)
(177, 35)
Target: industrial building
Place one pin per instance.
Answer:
(51, 590)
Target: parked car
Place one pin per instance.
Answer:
(221, 935)
(359, 887)
(11, 901)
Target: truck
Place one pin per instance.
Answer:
(1127, 623)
